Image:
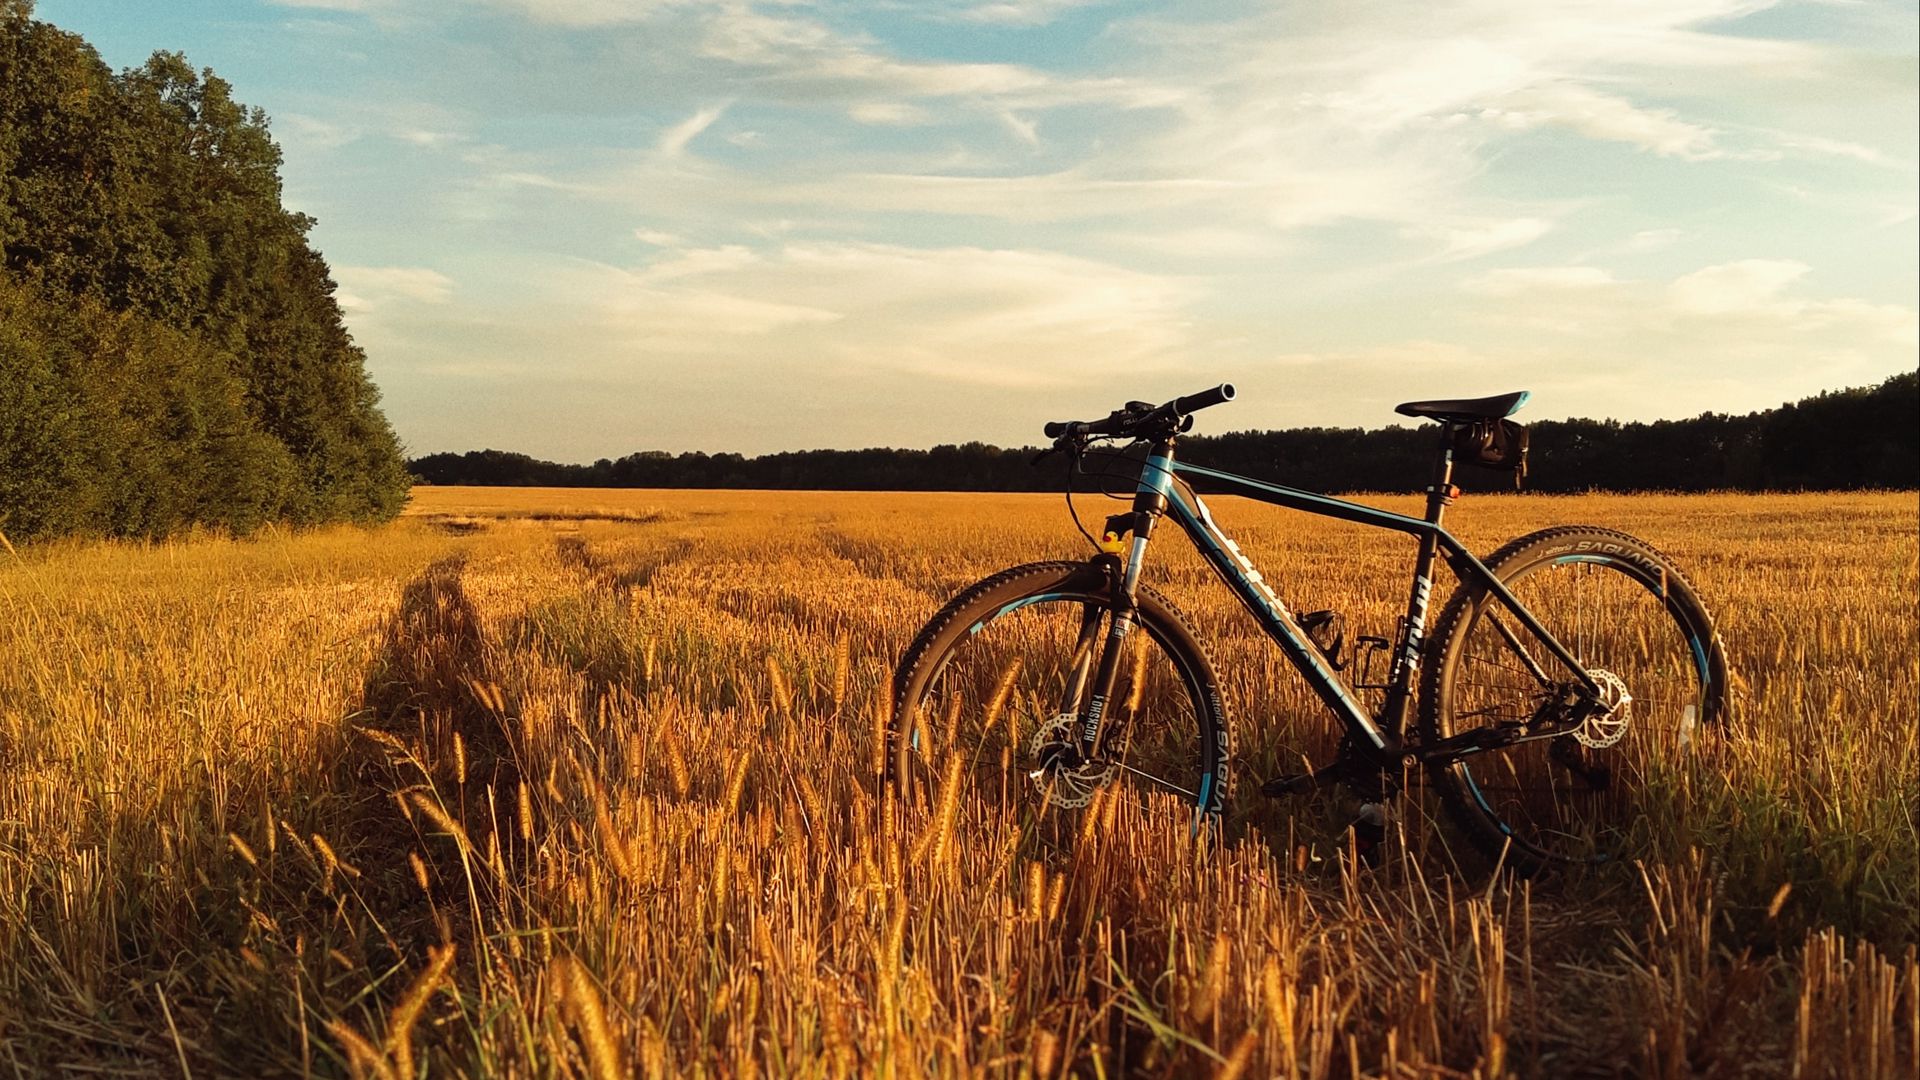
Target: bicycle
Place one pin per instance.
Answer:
(1565, 666)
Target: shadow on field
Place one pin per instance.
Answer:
(432, 716)
(429, 651)
(428, 755)
(328, 921)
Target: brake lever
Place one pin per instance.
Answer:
(1073, 444)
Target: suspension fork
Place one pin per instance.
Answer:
(1149, 505)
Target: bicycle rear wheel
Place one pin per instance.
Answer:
(1635, 624)
(989, 693)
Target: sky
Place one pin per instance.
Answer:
(581, 228)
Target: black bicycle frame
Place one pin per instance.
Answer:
(1158, 495)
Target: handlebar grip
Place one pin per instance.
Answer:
(1057, 428)
(1193, 403)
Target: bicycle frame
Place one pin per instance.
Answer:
(1159, 495)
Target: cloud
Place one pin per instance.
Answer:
(889, 113)
(1747, 307)
(1605, 117)
(1459, 243)
(586, 13)
(703, 262)
(332, 5)
(1748, 285)
(1652, 239)
(673, 142)
(969, 315)
(1824, 147)
(1532, 279)
(1024, 129)
(312, 132)
(1018, 12)
(805, 59)
(364, 289)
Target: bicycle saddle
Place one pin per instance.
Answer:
(1486, 408)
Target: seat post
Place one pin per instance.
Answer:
(1394, 712)
(1440, 493)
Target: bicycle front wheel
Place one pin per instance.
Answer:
(1635, 624)
(992, 690)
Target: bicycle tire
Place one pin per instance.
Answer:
(1033, 591)
(1619, 606)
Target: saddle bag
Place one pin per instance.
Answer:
(1492, 444)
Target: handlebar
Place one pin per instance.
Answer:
(1140, 418)
(1205, 399)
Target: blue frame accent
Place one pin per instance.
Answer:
(1011, 608)
(1201, 808)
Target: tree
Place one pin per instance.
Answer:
(153, 198)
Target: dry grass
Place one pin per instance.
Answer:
(582, 783)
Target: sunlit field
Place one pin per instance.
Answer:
(580, 782)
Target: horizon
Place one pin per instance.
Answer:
(1397, 422)
(574, 227)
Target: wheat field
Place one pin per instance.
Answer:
(584, 783)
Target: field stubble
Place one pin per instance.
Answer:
(583, 783)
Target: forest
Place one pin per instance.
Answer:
(171, 353)
(1841, 440)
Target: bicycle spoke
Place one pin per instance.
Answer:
(1168, 784)
(1484, 662)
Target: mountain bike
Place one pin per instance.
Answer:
(1567, 670)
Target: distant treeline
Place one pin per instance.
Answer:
(170, 350)
(1847, 439)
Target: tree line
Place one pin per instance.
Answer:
(1847, 439)
(171, 353)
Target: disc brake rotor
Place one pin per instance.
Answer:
(1068, 788)
(1608, 726)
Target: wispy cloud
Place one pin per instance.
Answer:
(1748, 285)
(364, 289)
(1603, 116)
(1518, 281)
(673, 142)
(332, 5)
(1014, 12)
(1461, 242)
(1747, 307)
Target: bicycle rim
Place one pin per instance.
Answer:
(1012, 687)
(1579, 797)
